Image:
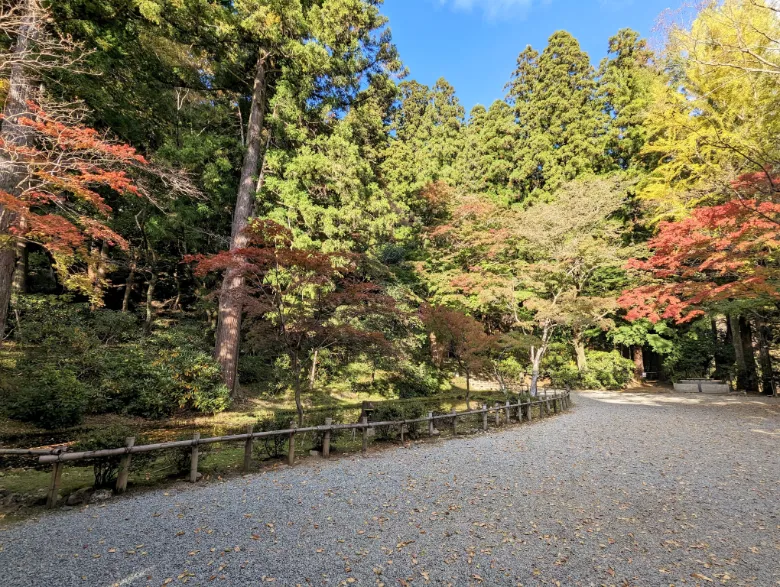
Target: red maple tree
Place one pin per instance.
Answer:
(60, 202)
(720, 253)
(302, 301)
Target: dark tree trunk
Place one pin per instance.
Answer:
(579, 351)
(129, 287)
(763, 338)
(228, 333)
(741, 338)
(746, 333)
(21, 89)
(639, 362)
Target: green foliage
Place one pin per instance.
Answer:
(689, 352)
(394, 411)
(97, 361)
(560, 123)
(417, 380)
(113, 436)
(49, 396)
(605, 370)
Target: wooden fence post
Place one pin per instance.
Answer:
(498, 413)
(530, 410)
(430, 423)
(54, 484)
(454, 422)
(194, 458)
(402, 432)
(484, 417)
(124, 467)
(326, 439)
(508, 415)
(291, 444)
(248, 449)
(364, 420)
(519, 411)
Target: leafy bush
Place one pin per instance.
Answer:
(49, 397)
(606, 370)
(177, 460)
(79, 359)
(275, 446)
(394, 411)
(417, 380)
(107, 468)
(254, 369)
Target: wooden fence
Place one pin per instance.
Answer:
(551, 402)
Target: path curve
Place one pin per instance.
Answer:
(626, 489)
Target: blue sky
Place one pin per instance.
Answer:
(474, 43)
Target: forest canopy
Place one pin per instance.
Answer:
(205, 201)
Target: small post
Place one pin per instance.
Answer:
(291, 444)
(364, 421)
(454, 422)
(430, 423)
(484, 417)
(497, 407)
(248, 448)
(54, 485)
(530, 410)
(124, 467)
(556, 401)
(194, 458)
(519, 410)
(402, 431)
(326, 439)
(508, 415)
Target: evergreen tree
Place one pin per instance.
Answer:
(625, 85)
(426, 124)
(485, 162)
(561, 122)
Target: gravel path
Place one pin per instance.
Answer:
(623, 490)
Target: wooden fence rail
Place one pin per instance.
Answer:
(554, 402)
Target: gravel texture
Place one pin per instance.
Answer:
(625, 489)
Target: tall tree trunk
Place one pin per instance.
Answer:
(129, 287)
(746, 334)
(468, 389)
(12, 175)
(150, 285)
(228, 333)
(579, 350)
(22, 263)
(313, 371)
(743, 351)
(537, 354)
(639, 361)
(763, 338)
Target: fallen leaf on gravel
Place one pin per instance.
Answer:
(702, 577)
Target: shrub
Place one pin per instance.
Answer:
(606, 370)
(107, 468)
(177, 460)
(275, 446)
(49, 397)
(417, 380)
(394, 411)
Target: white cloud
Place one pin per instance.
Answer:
(492, 8)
